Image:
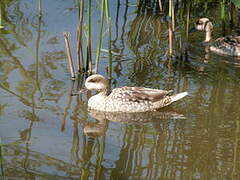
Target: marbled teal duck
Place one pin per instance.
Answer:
(228, 45)
(127, 99)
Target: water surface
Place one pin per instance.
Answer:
(48, 134)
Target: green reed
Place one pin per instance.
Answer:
(100, 35)
(89, 35)
(170, 14)
(223, 17)
(109, 39)
(183, 13)
(80, 59)
(1, 26)
(40, 8)
(188, 19)
(104, 9)
(88, 64)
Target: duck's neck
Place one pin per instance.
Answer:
(208, 36)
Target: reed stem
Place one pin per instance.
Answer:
(170, 8)
(38, 46)
(188, 19)
(170, 30)
(40, 8)
(79, 36)
(69, 54)
(223, 16)
(100, 36)
(160, 5)
(89, 45)
(173, 16)
(1, 26)
(109, 40)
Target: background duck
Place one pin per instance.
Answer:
(228, 45)
(127, 99)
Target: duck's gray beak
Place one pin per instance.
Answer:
(83, 90)
(79, 92)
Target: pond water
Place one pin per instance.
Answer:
(48, 134)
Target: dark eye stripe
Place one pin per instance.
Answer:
(199, 22)
(206, 24)
(95, 80)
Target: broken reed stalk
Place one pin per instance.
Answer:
(79, 36)
(109, 40)
(100, 36)
(89, 44)
(69, 54)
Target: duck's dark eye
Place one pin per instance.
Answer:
(199, 22)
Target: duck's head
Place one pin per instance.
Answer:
(204, 24)
(96, 82)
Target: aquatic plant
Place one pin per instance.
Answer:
(1, 26)
(1, 162)
(40, 8)
(100, 36)
(69, 55)
(177, 13)
(171, 29)
(86, 64)
(109, 39)
(80, 59)
(89, 41)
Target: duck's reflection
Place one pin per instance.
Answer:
(99, 128)
(95, 129)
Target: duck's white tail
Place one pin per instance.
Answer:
(178, 96)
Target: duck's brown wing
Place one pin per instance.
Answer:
(228, 41)
(233, 40)
(138, 94)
